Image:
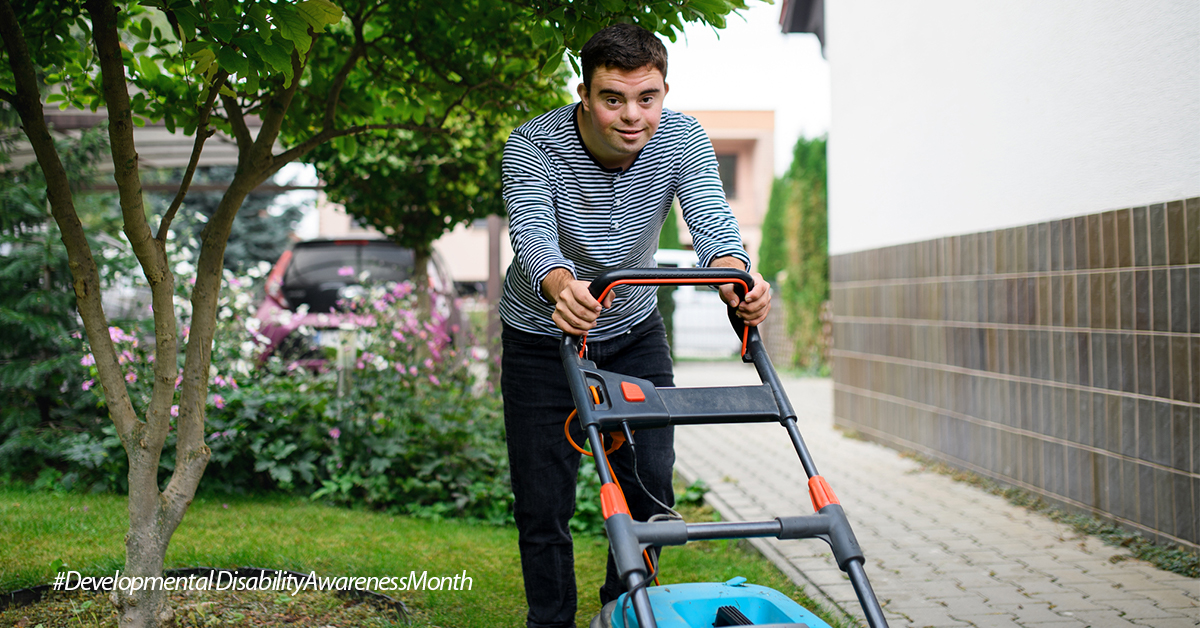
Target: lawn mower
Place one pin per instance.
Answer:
(609, 403)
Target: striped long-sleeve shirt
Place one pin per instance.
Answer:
(567, 211)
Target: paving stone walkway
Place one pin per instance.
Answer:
(939, 553)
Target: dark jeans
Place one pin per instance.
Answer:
(543, 465)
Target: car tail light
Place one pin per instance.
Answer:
(274, 287)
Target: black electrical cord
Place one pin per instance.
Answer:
(637, 476)
(629, 595)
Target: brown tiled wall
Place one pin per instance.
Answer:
(1061, 357)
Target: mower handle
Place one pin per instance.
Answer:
(741, 280)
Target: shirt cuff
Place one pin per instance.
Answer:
(538, 276)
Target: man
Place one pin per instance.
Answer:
(588, 187)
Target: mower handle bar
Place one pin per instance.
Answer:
(741, 280)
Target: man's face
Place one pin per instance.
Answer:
(621, 112)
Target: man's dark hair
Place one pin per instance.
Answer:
(624, 47)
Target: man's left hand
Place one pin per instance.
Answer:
(754, 308)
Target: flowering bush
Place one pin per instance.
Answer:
(404, 426)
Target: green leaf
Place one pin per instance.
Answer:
(553, 62)
(223, 29)
(226, 91)
(348, 146)
(188, 16)
(258, 17)
(277, 55)
(149, 67)
(204, 58)
(292, 27)
(542, 33)
(232, 61)
(319, 13)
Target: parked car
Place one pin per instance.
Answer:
(318, 274)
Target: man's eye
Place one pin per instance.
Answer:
(613, 102)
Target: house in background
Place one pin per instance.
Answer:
(742, 140)
(1014, 230)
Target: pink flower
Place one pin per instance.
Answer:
(88, 384)
(345, 271)
(88, 360)
(218, 401)
(395, 334)
(174, 410)
(428, 363)
(76, 335)
(131, 377)
(178, 381)
(335, 433)
(434, 380)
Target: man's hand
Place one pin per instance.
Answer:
(754, 308)
(575, 309)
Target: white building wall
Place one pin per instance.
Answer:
(953, 117)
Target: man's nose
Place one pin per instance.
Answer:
(630, 112)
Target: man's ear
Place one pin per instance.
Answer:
(666, 88)
(582, 90)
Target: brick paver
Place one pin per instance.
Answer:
(939, 552)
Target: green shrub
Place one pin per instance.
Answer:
(794, 254)
(405, 428)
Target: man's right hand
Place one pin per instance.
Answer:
(575, 309)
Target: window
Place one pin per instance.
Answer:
(727, 164)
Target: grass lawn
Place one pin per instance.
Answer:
(86, 532)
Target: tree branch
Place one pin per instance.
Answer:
(151, 253)
(8, 97)
(237, 122)
(339, 81)
(202, 134)
(300, 150)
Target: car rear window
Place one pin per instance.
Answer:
(318, 270)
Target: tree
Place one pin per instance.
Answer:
(795, 250)
(262, 229)
(309, 73)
